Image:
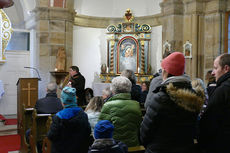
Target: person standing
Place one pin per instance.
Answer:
(170, 120)
(136, 89)
(77, 81)
(156, 81)
(70, 129)
(215, 122)
(124, 113)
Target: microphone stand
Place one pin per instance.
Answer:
(39, 78)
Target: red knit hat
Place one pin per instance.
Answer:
(174, 64)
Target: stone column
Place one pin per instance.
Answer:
(200, 22)
(213, 31)
(172, 23)
(193, 31)
(54, 29)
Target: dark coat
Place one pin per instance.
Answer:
(49, 104)
(70, 131)
(136, 92)
(215, 121)
(78, 82)
(108, 146)
(153, 85)
(143, 96)
(170, 120)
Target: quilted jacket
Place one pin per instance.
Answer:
(125, 114)
(169, 124)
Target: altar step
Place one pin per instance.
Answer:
(8, 129)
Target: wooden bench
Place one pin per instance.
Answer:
(24, 125)
(38, 130)
(136, 149)
(46, 146)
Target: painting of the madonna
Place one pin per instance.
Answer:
(127, 54)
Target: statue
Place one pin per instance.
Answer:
(60, 60)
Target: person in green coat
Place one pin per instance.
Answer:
(124, 113)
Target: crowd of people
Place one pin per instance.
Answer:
(182, 115)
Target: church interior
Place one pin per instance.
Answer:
(87, 31)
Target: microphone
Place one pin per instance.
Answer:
(39, 78)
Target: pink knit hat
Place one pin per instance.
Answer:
(174, 64)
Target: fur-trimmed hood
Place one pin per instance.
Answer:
(180, 91)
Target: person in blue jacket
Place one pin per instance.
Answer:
(70, 129)
(104, 142)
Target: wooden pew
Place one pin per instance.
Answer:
(136, 149)
(38, 130)
(24, 125)
(46, 146)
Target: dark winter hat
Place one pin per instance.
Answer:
(68, 97)
(174, 64)
(103, 129)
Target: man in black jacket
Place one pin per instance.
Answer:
(77, 81)
(215, 121)
(50, 104)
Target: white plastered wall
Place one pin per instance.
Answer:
(90, 44)
(9, 74)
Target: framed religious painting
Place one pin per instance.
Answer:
(166, 47)
(187, 50)
(127, 54)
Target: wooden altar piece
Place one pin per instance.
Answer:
(27, 94)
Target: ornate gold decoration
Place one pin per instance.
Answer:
(112, 57)
(142, 57)
(5, 34)
(128, 16)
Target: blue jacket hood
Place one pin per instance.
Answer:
(68, 113)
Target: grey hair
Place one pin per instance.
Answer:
(107, 91)
(130, 75)
(121, 84)
(52, 87)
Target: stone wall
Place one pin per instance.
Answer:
(200, 22)
(54, 29)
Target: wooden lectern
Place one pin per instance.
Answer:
(27, 94)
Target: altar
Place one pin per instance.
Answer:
(98, 87)
(128, 47)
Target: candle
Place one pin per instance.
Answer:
(55, 69)
(138, 70)
(107, 70)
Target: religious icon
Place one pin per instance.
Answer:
(127, 55)
(188, 49)
(166, 47)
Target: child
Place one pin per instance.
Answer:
(93, 110)
(104, 143)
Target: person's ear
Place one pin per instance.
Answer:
(164, 74)
(227, 68)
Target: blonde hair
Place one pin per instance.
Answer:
(95, 104)
(199, 87)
